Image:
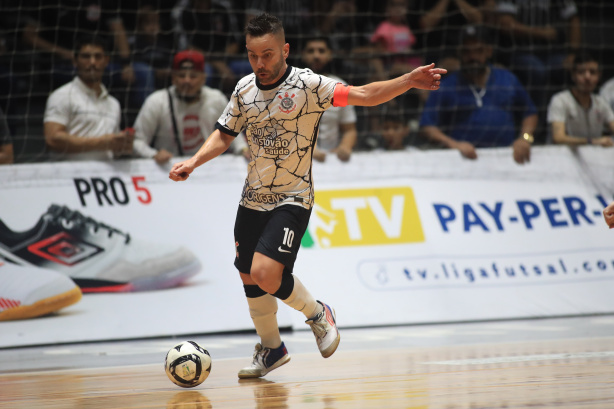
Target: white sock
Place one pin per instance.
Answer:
(263, 311)
(301, 300)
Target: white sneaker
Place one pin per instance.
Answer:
(27, 292)
(97, 256)
(324, 327)
(265, 360)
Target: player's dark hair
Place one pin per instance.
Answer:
(264, 24)
(583, 57)
(90, 40)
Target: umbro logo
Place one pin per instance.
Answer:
(62, 248)
(282, 250)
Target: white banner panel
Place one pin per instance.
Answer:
(498, 240)
(395, 238)
(138, 198)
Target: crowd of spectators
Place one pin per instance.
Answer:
(521, 55)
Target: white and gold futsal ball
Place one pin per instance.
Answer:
(187, 364)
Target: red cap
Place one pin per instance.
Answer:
(189, 59)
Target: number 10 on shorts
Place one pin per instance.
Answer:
(288, 237)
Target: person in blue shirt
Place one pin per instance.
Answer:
(480, 105)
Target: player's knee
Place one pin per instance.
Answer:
(264, 278)
(258, 273)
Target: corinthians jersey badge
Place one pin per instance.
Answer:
(287, 103)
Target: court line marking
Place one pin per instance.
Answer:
(523, 358)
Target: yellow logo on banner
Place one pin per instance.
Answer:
(362, 217)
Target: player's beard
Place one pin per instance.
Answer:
(272, 75)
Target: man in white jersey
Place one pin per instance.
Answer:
(578, 116)
(338, 124)
(81, 118)
(280, 107)
(177, 120)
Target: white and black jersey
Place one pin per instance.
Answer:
(281, 122)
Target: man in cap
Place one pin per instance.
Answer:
(479, 105)
(175, 121)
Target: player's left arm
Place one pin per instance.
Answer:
(427, 77)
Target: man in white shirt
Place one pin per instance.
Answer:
(338, 124)
(577, 116)
(176, 121)
(82, 119)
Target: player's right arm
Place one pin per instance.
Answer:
(216, 144)
(59, 140)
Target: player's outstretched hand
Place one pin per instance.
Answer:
(180, 171)
(426, 77)
(608, 214)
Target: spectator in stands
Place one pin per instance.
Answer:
(395, 130)
(209, 26)
(53, 30)
(6, 143)
(348, 30)
(295, 14)
(607, 92)
(150, 46)
(338, 124)
(478, 105)
(578, 116)
(346, 25)
(543, 37)
(177, 120)
(394, 39)
(440, 22)
(81, 119)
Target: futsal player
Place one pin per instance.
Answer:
(279, 107)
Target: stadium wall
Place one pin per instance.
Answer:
(395, 238)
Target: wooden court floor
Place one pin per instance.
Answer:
(547, 364)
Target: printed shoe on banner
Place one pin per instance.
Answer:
(28, 292)
(98, 257)
(265, 360)
(324, 327)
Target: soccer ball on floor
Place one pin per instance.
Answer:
(187, 364)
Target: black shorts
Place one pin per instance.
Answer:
(276, 234)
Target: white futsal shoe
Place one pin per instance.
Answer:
(95, 255)
(265, 360)
(324, 327)
(28, 292)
